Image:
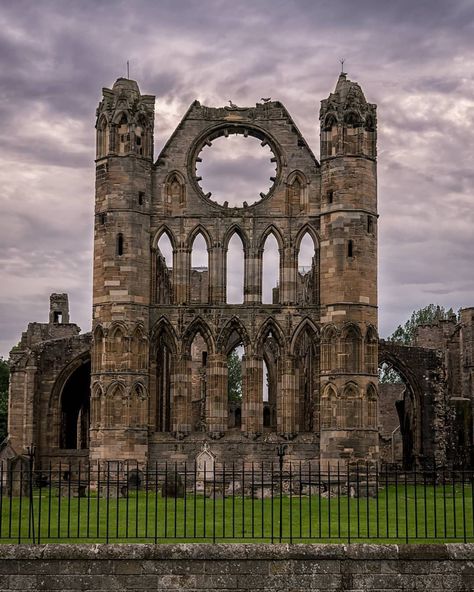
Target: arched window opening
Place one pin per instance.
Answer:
(164, 270)
(165, 362)
(123, 135)
(102, 138)
(120, 243)
(235, 270)
(399, 417)
(306, 353)
(270, 379)
(141, 147)
(350, 249)
(307, 285)
(350, 350)
(75, 409)
(235, 386)
(199, 270)
(199, 354)
(270, 271)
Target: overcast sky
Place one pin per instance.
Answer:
(414, 59)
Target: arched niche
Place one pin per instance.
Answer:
(75, 408)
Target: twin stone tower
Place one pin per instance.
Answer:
(162, 332)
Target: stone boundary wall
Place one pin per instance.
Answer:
(256, 567)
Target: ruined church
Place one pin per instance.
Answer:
(150, 382)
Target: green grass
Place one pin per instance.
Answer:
(414, 514)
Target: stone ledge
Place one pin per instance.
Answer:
(239, 551)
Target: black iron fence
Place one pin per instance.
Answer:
(295, 502)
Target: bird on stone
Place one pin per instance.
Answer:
(266, 100)
(233, 105)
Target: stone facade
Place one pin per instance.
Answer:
(150, 382)
(257, 567)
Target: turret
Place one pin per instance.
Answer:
(121, 285)
(348, 275)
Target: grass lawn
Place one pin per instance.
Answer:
(397, 514)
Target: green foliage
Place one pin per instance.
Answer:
(4, 376)
(388, 375)
(234, 376)
(404, 335)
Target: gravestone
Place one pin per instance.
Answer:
(19, 476)
(205, 467)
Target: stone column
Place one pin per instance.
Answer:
(181, 272)
(253, 276)
(216, 399)
(252, 396)
(181, 408)
(217, 275)
(288, 272)
(287, 396)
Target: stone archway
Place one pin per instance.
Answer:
(420, 402)
(74, 405)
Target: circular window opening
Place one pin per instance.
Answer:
(236, 170)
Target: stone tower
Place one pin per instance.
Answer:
(121, 285)
(349, 393)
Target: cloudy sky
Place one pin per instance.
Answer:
(414, 59)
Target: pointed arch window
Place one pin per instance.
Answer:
(123, 131)
(199, 277)
(308, 268)
(164, 270)
(235, 270)
(270, 271)
(102, 138)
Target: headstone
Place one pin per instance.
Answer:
(172, 485)
(205, 467)
(18, 469)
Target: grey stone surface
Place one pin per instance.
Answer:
(259, 567)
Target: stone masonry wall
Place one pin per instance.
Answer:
(196, 567)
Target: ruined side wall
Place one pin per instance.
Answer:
(254, 567)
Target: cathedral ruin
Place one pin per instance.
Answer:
(150, 382)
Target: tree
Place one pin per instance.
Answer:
(4, 376)
(405, 335)
(234, 377)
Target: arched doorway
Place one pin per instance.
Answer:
(75, 408)
(400, 413)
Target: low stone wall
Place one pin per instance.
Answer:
(256, 567)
